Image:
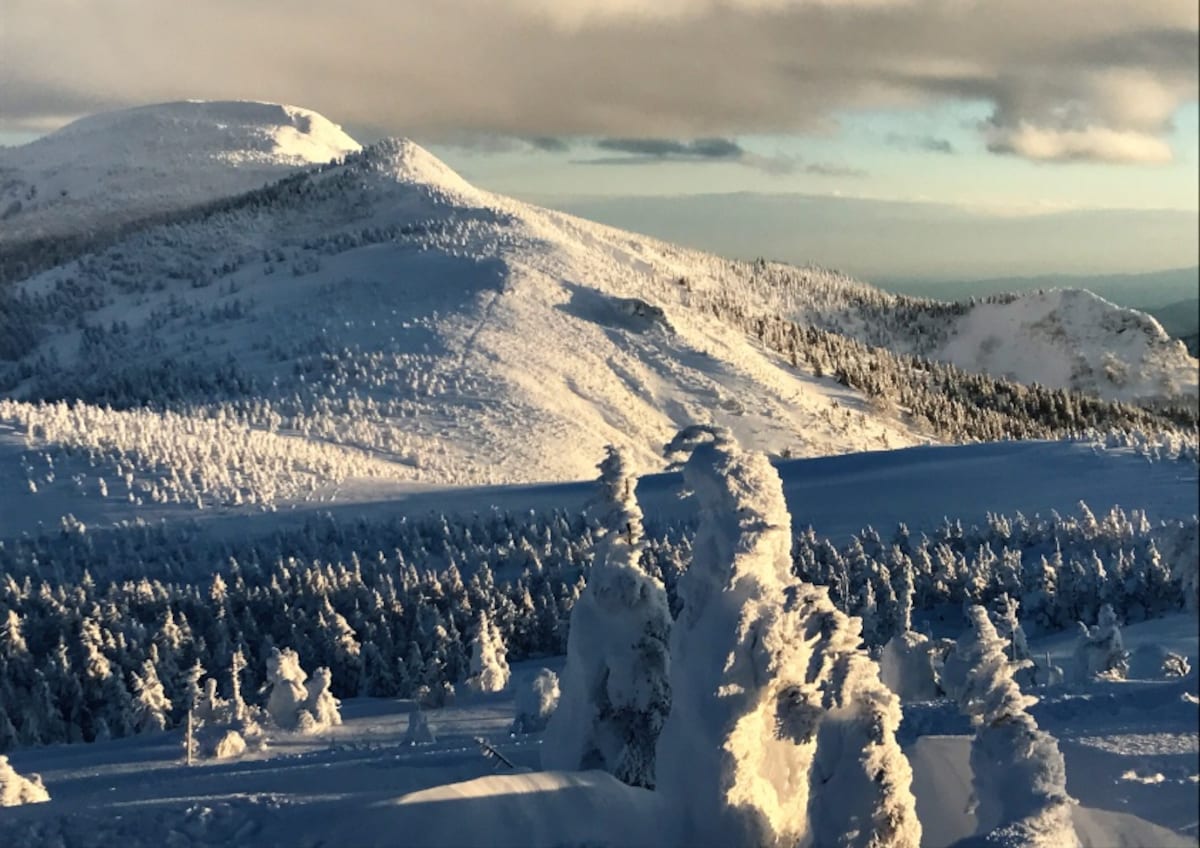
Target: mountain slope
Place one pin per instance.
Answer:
(1062, 338)
(386, 304)
(380, 317)
(106, 169)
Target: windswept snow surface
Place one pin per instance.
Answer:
(114, 167)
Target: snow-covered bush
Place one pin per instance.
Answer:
(615, 689)
(1044, 672)
(1175, 665)
(489, 665)
(536, 702)
(1100, 650)
(227, 745)
(16, 789)
(1019, 776)
(906, 666)
(770, 692)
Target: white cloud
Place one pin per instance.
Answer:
(1092, 143)
(1100, 76)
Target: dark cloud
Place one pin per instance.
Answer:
(924, 143)
(663, 148)
(647, 151)
(549, 144)
(825, 169)
(1095, 79)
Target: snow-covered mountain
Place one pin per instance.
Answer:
(386, 304)
(107, 169)
(1066, 339)
(380, 317)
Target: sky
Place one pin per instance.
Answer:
(908, 138)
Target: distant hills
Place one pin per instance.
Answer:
(1145, 291)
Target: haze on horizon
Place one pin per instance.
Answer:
(888, 138)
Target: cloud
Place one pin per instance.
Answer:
(923, 143)
(549, 144)
(825, 169)
(555, 69)
(1091, 144)
(663, 148)
(646, 151)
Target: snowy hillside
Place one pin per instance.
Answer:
(385, 316)
(107, 169)
(1061, 338)
(1071, 338)
(387, 305)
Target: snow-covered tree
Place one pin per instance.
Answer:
(1100, 650)
(1186, 558)
(419, 732)
(151, 708)
(536, 702)
(615, 691)
(770, 691)
(288, 692)
(489, 665)
(319, 701)
(15, 789)
(1012, 629)
(1019, 783)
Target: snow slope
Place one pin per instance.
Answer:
(387, 305)
(114, 167)
(836, 495)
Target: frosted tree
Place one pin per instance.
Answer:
(489, 666)
(150, 705)
(419, 732)
(1100, 650)
(237, 664)
(319, 702)
(15, 789)
(288, 692)
(1186, 558)
(536, 702)
(1019, 783)
(614, 689)
(770, 691)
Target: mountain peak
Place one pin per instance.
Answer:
(110, 168)
(405, 161)
(233, 131)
